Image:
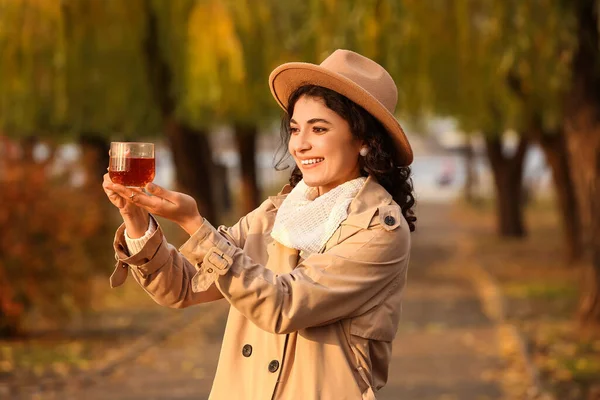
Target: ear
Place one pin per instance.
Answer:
(364, 143)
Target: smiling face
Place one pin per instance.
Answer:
(322, 145)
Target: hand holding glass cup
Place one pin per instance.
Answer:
(131, 168)
(132, 164)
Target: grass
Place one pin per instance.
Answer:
(41, 358)
(541, 290)
(117, 317)
(585, 369)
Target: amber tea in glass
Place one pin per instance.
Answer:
(131, 163)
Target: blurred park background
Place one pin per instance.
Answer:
(501, 101)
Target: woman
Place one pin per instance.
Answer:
(315, 274)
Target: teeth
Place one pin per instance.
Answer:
(312, 161)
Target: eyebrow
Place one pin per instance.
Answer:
(312, 121)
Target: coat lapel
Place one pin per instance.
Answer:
(282, 259)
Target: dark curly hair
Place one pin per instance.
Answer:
(380, 162)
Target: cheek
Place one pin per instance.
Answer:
(343, 151)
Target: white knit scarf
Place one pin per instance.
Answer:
(306, 221)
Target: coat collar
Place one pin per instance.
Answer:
(362, 208)
(277, 200)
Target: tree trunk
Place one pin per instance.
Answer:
(190, 147)
(583, 138)
(508, 181)
(589, 309)
(470, 172)
(28, 144)
(95, 158)
(193, 163)
(555, 150)
(246, 138)
(584, 146)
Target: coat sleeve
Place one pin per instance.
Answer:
(237, 233)
(346, 281)
(165, 274)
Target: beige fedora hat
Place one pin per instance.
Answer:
(358, 78)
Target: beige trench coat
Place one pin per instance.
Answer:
(313, 329)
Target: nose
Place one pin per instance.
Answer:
(300, 142)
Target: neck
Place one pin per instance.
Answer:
(324, 189)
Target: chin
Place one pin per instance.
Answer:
(312, 182)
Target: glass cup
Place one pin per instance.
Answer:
(131, 163)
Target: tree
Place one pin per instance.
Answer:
(538, 75)
(582, 126)
(130, 60)
(43, 239)
(449, 63)
(164, 48)
(32, 94)
(492, 66)
(103, 100)
(230, 76)
(514, 67)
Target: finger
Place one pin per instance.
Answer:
(159, 191)
(153, 204)
(114, 197)
(107, 186)
(117, 200)
(125, 192)
(117, 188)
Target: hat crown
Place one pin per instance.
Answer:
(366, 73)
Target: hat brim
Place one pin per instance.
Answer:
(288, 77)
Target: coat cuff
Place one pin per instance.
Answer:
(148, 260)
(211, 254)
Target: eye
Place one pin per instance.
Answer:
(294, 130)
(318, 129)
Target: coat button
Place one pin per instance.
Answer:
(273, 366)
(247, 350)
(389, 220)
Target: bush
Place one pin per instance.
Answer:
(47, 228)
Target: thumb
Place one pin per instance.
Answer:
(154, 189)
(158, 191)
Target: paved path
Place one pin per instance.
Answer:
(446, 348)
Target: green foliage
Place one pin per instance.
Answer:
(72, 66)
(106, 82)
(465, 58)
(81, 65)
(227, 76)
(32, 90)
